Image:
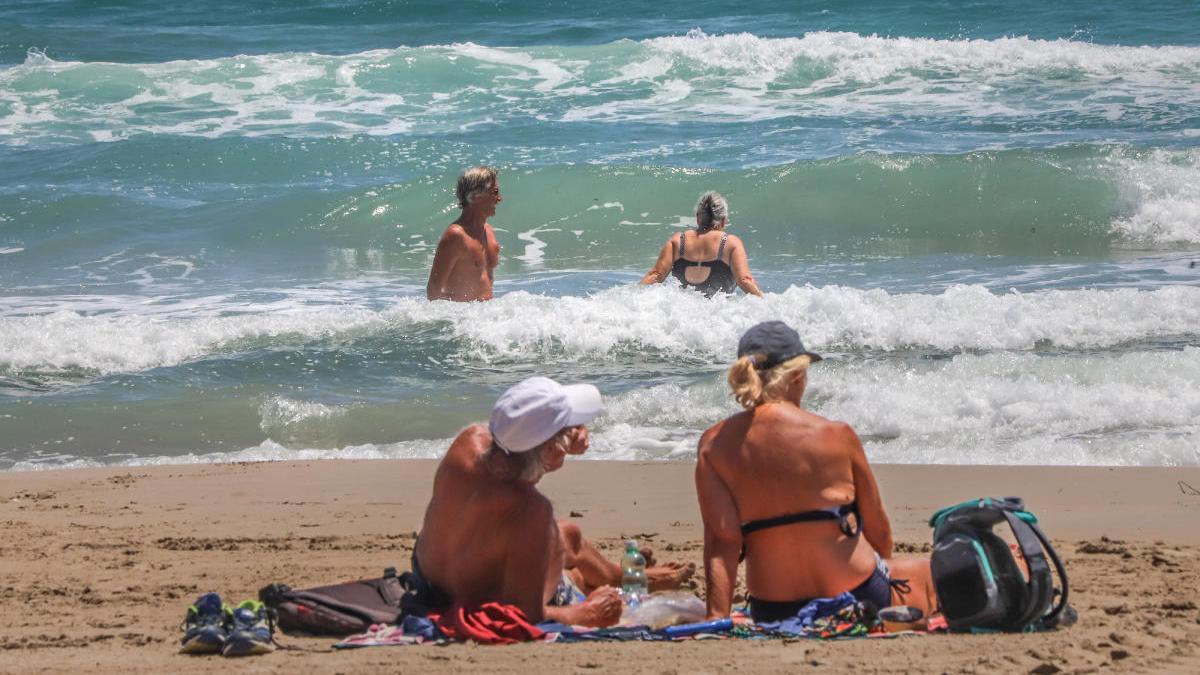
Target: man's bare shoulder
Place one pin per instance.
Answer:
(519, 509)
(469, 445)
(538, 506)
(477, 432)
(454, 233)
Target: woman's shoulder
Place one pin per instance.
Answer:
(715, 435)
(787, 413)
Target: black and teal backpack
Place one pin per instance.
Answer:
(980, 585)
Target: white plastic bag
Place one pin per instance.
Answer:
(669, 608)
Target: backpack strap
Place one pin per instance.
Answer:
(982, 513)
(1036, 547)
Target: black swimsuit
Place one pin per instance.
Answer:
(720, 275)
(421, 597)
(850, 527)
(877, 589)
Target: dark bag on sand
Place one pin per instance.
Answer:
(980, 585)
(341, 609)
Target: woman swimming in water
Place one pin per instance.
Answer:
(707, 258)
(793, 493)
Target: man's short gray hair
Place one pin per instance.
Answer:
(473, 181)
(524, 467)
(710, 210)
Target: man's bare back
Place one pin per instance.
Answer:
(490, 536)
(467, 254)
(477, 518)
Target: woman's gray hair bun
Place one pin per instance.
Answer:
(710, 210)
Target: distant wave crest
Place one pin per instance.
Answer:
(735, 78)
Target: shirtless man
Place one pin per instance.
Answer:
(467, 254)
(490, 536)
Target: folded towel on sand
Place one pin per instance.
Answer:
(490, 624)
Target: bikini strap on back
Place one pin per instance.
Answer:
(681, 243)
(721, 250)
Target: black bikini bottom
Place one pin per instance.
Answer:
(876, 590)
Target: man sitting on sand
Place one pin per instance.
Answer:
(490, 536)
(467, 254)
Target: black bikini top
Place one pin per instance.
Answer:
(720, 275)
(851, 527)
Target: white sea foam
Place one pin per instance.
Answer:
(963, 317)
(535, 249)
(113, 344)
(550, 73)
(621, 321)
(1161, 190)
(734, 77)
(747, 77)
(872, 58)
(1115, 409)
(1137, 408)
(280, 412)
(267, 451)
(607, 205)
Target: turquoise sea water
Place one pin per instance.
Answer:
(216, 222)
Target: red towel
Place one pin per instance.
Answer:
(489, 624)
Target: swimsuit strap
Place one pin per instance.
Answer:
(681, 243)
(839, 513)
(721, 251)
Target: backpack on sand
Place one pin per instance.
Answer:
(980, 584)
(341, 609)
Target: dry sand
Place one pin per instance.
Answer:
(98, 566)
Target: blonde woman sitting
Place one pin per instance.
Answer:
(793, 493)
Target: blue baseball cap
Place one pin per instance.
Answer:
(776, 341)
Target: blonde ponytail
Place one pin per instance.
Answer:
(743, 379)
(752, 388)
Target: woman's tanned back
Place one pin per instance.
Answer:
(778, 459)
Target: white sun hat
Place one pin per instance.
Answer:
(532, 411)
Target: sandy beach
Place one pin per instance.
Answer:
(98, 566)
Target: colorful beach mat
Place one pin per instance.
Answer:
(825, 619)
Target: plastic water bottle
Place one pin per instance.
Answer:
(633, 574)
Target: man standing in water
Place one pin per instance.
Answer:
(467, 253)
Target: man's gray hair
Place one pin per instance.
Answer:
(473, 181)
(710, 210)
(523, 467)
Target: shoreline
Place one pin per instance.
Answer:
(99, 564)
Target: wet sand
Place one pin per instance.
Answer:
(98, 566)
